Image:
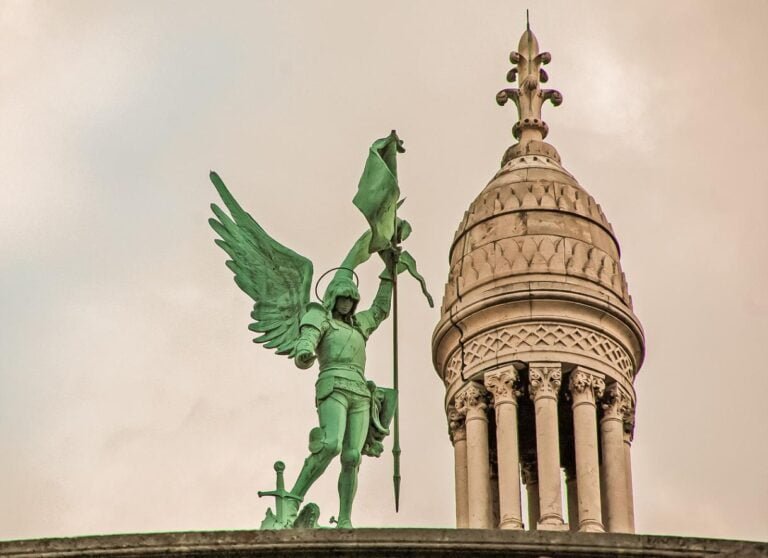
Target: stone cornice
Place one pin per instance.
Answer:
(315, 543)
(544, 292)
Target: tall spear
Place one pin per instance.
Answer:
(396, 445)
(377, 198)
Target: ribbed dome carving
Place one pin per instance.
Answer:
(534, 218)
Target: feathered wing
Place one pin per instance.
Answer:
(275, 277)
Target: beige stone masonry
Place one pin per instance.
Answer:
(535, 280)
(572, 498)
(503, 386)
(629, 424)
(471, 402)
(586, 387)
(459, 438)
(544, 385)
(616, 404)
(530, 476)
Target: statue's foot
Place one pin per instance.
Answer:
(344, 524)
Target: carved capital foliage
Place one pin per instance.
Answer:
(544, 379)
(616, 403)
(472, 399)
(585, 386)
(456, 425)
(629, 424)
(503, 385)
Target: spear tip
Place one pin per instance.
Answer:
(396, 480)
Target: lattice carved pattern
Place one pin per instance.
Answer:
(535, 254)
(507, 341)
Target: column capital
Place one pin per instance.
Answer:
(457, 428)
(544, 379)
(585, 386)
(629, 425)
(616, 403)
(471, 401)
(503, 384)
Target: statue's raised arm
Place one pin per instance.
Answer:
(275, 277)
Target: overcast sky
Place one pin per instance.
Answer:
(131, 396)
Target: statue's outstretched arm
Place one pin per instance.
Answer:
(313, 326)
(306, 346)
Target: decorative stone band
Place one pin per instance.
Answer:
(540, 151)
(511, 196)
(504, 342)
(527, 254)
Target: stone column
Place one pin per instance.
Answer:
(586, 387)
(531, 481)
(503, 384)
(629, 429)
(615, 405)
(471, 403)
(495, 514)
(459, 439)
(572, 497)
(545, 378)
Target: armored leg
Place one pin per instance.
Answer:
(325, 444)
(357, 428)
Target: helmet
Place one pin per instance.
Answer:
(341, 285)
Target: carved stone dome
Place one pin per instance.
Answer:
(534, 266)
(534, 239)
(537, 342)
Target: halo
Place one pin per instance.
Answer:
(317, 284)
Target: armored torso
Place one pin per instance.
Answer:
(341, 350)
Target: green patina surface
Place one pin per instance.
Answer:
(354, 414)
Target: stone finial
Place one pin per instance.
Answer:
(529, 97)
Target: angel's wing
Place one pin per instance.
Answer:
(275, 277)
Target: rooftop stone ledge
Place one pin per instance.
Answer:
(384, 542)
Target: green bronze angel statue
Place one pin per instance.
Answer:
(354, 414)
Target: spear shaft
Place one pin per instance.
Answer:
(396, 445)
